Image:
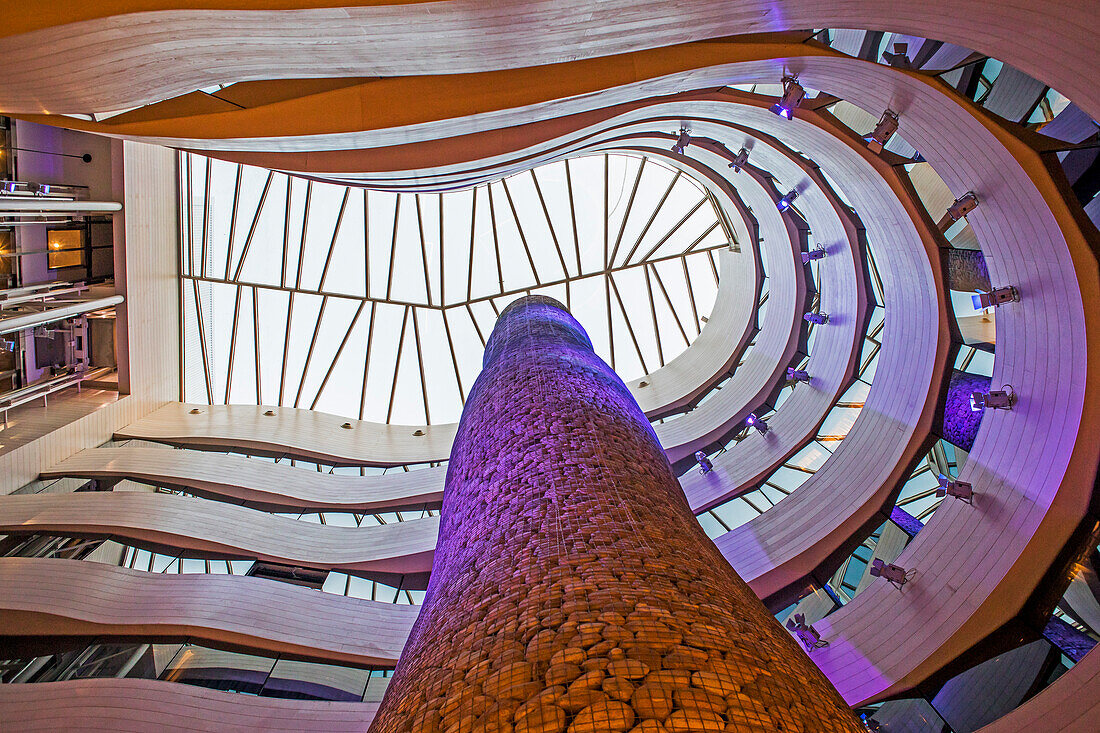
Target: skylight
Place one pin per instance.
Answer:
(376, 305)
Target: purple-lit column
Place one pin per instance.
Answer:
(572, 586)
(960, 421)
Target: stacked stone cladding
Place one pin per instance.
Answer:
(960, 421)
(572, 589)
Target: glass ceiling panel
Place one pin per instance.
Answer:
(376, 305)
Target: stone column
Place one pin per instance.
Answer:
(960, 422)
(572, 587)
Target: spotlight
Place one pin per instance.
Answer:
(899, 59)
(819, 319)
(884, 130)
(797, 375)
(806, 633)
(683, 141)
(999, 296)
(995, 399)
(739, 160)
(785, 203)
(793, 94)
(752, 421)
(962, 206)
(961, 490)
(814, 254)
(894, 574)
(705, 466)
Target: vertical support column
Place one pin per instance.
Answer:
(572, 587)
(960, 422)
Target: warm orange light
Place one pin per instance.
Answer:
(66, 248)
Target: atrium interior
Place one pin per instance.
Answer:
(549, 366)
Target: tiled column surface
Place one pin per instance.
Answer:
(572, 588)
(966, 270)
(960, 421)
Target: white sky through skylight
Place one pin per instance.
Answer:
(322, 282)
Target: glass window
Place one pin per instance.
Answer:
(66, 248)
(313, 681)
(219, 670)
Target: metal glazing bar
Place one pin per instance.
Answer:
(473, 228)
(423, 248)
(700, 238)
(305, 229)
(232, 346)
(393, 248)
(335, 236)
(454, 358)
(256, 340)
(522, 235)
(653, 315)
(420, 366)
(496, 239)
(549, 223)
(652, 217)
(573, 214)
(691, 296)
(675, 228)
(473, 320)
(626, 320)
(202, 344)
(286, 345)
(233, 221)
(366, 361)
(309, 352)
(287, 191)
(668, 300)
(629, 208)
(252, 228)
(397, 363)
(205, 218)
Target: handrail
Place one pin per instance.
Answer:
(42, 390)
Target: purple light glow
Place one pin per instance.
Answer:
(960, 420)
(561, 515)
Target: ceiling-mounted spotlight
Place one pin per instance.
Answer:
(961, 490)
(884, 130)
(806, 633)
(705, 465)
(962, 206)
(818, 319)
(752, 421)
(998, 297)
(682, 141)
(814, 254)
(997, 399)
(739, 160)
(899, 59)
(793, 94)
(895, 574)
(797, 375)
(785, 203)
